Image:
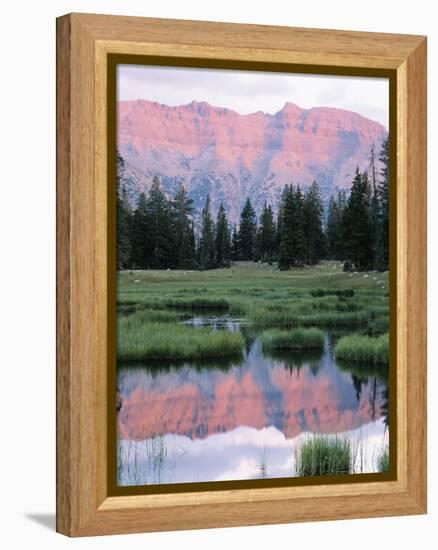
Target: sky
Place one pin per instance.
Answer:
(251, 91)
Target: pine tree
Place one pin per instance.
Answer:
(300, 236)
(123, 215)
(182, 209)
(160, 239)
(266, 237)
(279, 228)
(334, 229)
(222, 239)
(138, 234)
(192, 240)
(235, 245)
(313, 223)
(186, 257)
(286, 225)
(382, 252)
(374, 204)
(206, 249)
(357, 224)
(247, 232)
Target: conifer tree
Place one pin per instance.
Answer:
(374, 203)
(286, 224)
(279, 229)
(182, 208)
(247, 232)
(206, 249)
(300, 235)
(186, 258)
(160, 238)
(266, 241)
(313, 222)
(192, 240)
(357, 224)
(382, 252)
(138, 235)
(235, 244)
(123, 216)
(222, 239)
(334, 229)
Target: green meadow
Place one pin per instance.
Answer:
(289, 307)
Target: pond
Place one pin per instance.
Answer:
(244, 418)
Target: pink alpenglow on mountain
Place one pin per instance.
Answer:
(231, 156)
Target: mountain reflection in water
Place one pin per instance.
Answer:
(241, 418)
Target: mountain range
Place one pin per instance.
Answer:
(232, 156)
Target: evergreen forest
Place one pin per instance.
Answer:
(160, 232)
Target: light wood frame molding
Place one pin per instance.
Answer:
(83, 44)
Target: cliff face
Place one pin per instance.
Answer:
(232, 156)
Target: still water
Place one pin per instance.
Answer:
(243, 418)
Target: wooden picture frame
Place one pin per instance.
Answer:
(84, 231)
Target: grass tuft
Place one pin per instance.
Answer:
(295, 316)
(323, 455)
(378, 326)
(363, 349)
(197, 303)
(383, 460)
(300, 338)
(319, 292)
(153, 316)
(138, 340)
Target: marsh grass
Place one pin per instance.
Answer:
(143, 340)
(296, 316)
(336, 319)
(299, 339)
(319, 292)
(153, 316)
(246, 284)
(198, 303)
(378, 326)
(323, 455)
(263, 463)
(269, 317)
(383, 460)
(143, 461)
(363, 349)
(126, 309)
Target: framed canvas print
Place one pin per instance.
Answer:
(241, 279)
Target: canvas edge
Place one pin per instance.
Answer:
(76, 520)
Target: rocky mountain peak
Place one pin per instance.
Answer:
(231, 156)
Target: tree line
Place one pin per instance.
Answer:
(357, 228)
(159, 233)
